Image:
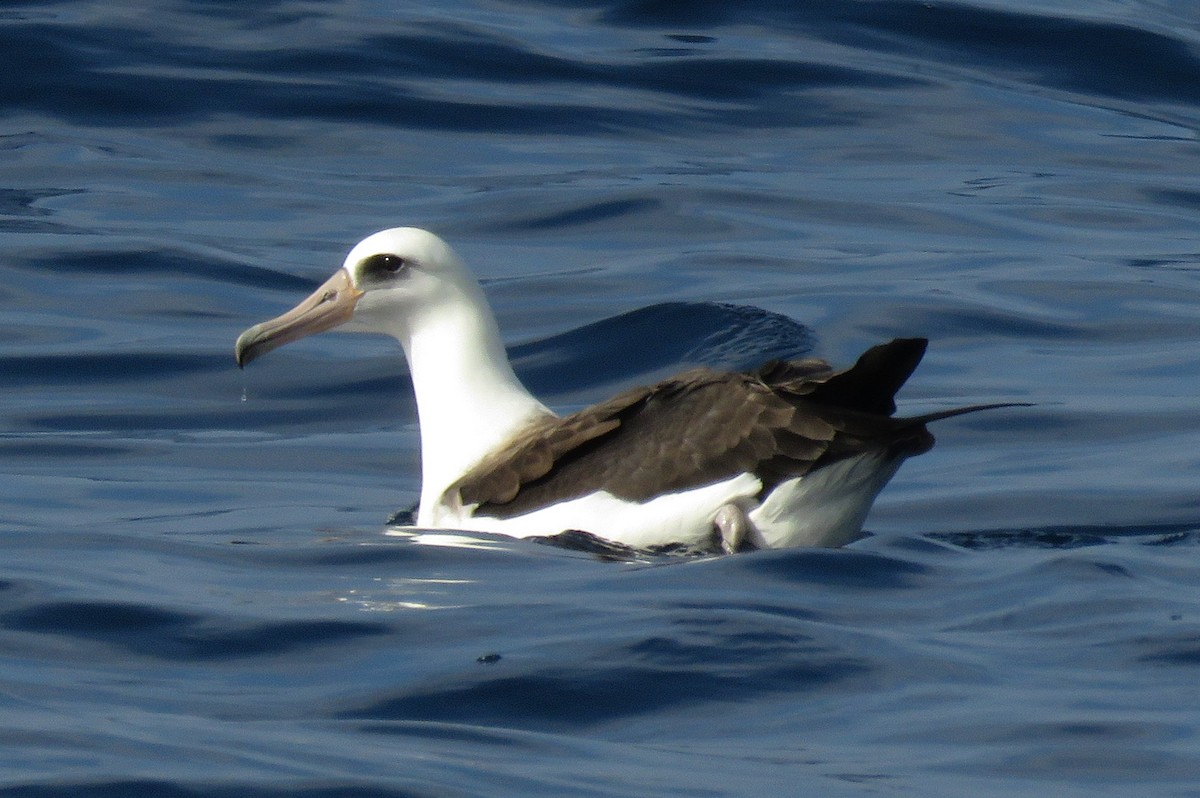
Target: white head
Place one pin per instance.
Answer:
(409, 284)
(390, 282)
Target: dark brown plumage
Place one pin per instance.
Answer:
(701, 427)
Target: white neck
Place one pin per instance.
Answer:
(469, 401)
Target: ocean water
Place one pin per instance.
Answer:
(198, 592)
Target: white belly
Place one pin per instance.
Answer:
(685, 517)
(825, 508)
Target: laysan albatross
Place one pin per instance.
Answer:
(792, 454)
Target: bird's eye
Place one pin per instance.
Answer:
(385, 263)
(391, 263)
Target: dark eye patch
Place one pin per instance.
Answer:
(383, 264)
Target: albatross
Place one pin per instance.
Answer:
(791, 454)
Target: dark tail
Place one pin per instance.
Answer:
(870, 385)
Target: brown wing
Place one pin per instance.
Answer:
(701, 427)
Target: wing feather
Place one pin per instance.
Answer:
(702, 427)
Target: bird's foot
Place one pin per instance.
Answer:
(732, 528)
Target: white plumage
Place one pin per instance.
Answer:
(795, 454)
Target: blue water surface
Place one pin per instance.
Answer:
(198, 596)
